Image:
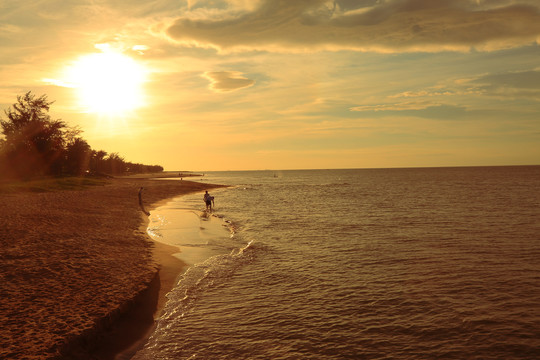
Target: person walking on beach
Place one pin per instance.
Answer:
(208, 200)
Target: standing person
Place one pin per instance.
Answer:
(208, 200)
(141, 202)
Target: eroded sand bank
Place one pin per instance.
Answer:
(74, 264)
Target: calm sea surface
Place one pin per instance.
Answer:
(434, 263)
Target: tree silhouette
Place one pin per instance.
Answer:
(78, 155)
(97, 161)
(34, 143)
(115, 164)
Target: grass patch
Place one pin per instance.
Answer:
(51, 184)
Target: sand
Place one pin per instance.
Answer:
(80, 278)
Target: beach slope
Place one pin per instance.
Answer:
(73, 263)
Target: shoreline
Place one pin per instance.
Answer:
(130, 332)
(170, 270)
(76, 264)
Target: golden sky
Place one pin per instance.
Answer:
(279, 84)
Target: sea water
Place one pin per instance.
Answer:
(431, 263)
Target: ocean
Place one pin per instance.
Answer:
(426, 263)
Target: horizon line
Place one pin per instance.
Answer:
(366, 168)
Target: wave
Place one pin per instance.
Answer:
(199, 277)
(226, 254)
(192, 285)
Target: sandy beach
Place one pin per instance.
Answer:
(80, 277)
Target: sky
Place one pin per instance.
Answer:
(207, 85)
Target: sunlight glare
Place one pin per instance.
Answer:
(109, 83)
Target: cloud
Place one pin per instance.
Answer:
(403, 106)
(518, 84)
(435, 102)
(424, 93)
(507, 85)
(375, 25)
(517, 80)
(422, 109)
(226, 81)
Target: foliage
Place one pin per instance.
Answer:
(78, 154)
(36, 145)
(33, 142)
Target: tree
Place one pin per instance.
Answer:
(115, 164)
(78, 154)
(33, 143)
(97, 161)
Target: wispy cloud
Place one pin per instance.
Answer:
(518, 80)
(506, 85)
(415, 109)
(400, 106)
(226, 81)
(385, 26)
(460, 98)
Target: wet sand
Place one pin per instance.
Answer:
(80, 277)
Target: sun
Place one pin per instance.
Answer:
(108, 83)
